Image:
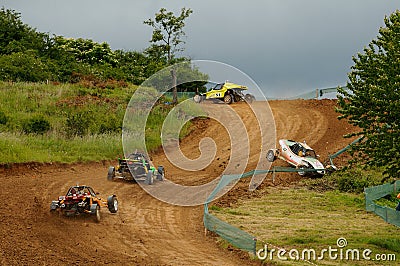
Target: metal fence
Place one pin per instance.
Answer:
(184, 94)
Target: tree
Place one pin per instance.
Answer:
(15, 36)
(372, 102)
(23, 67)
(86, 50)
(184, 72)
(167, 37)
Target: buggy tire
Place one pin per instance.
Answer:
(111, 173)
(228, 98)
(249, 98)
(271, 156)
(302, 173)
(53, 206)
(112, 204)
(149, 178)
(95, 208)
(197, 98)
(330, 168)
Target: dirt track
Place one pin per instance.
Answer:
(145, 231)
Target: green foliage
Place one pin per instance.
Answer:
(215, 208)
(387, 244)
(23, 67)
(167, 37)
(19, 148)
(78, 124)
(110, 124)
(85, 123)
(28, 55)
(36, 125)
(373, 100)
(352, 180)
(15, 36)
(162, 80)
(137, 67)
(168, 31)
(86, 50)
(3, 118)
(354, 183)
(389, 200)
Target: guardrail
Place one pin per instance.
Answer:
(374, 193)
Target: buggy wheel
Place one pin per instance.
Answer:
(249, 98)
(160, 173)
(112, 204)
(330, 168)
(53, 206)
(197, 98)
(271, 156)
(149, 178)
(228, 98)
(97, 216)
(302, 173)
(111, 173)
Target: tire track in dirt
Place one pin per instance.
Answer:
(145, 231)
(299, 123)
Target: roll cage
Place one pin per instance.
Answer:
(81, 190)
(305, 152)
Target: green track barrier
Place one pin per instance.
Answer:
(336, 154)
(306, 96)
(314, 94)
(374, 193)
(186, 94)
(233, 235)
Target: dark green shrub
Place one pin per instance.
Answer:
(351, 184)
(36, 125)
(355, 180)
(110, 124)
(352, 180)
(3, 118)
(23, 67)
(78, 124)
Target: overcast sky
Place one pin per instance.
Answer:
(287, 47)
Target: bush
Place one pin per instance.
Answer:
(352, 184)
(23, 67)
(36, 125)
(78, 124)
(355, 180)
(3, 118)
(352, 180)
(110, 124)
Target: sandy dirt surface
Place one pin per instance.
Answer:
(146, 231)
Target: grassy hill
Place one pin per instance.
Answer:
(301, 219)
(66, 122)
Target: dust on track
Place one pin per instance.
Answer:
(145, 231)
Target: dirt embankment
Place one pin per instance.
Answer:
(145, 231)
